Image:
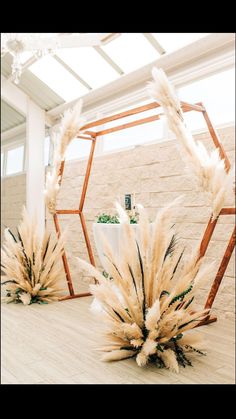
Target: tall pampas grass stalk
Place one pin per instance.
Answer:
(70, 125)
(208, 168)
(147, 302)
(32, 264)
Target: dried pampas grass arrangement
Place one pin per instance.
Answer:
(32, 264)
(147, 302)
(208, 168)
(70, 126)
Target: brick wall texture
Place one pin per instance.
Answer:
(156, 174)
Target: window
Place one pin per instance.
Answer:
(217, 94)
(2, 162)
(46, 150)
(78, 148)
(15, 160)
(136, 135)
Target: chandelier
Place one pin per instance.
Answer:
(40, 44)
(17, 43)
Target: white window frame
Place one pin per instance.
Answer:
(177, 85)
(12, 146)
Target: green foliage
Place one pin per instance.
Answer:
(108, 219)
(159, 347)
(189, 302)
(180, 356)
(181, 295)
(164, 292)
(106, 275)
(194, 349)
(113, 219)
(133, 219)
(170, 249)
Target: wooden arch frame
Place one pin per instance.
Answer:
(92, 136)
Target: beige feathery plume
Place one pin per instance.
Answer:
(132, 331)
(137, 342)
(117, 355)
(169, 359)
(144, 237)
(161, 236)
(194, 339)
(70, 125)
(31, 263)
(25, 297)
(207, 168)
(109, 348)
(141, 359)
(149, 347)
(145, 304)
(131, 261)
(170, 323)
(153, 316)
(91, 270)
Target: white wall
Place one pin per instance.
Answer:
(157, 175)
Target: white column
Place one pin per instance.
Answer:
(35, 137)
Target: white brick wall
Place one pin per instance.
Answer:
(157, 175)
(13, 190)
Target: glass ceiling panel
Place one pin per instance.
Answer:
(173, 41)
(131, 51)
(89, 65)
(58, 78)
(25, 56)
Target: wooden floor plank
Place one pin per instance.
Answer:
(55, 344)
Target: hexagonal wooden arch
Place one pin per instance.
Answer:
(92, 136)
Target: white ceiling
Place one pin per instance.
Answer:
(73, 72)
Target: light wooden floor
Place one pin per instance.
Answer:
(56, 343)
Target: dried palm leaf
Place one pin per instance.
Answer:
(70, 125)
(32, 264)
(146, 305)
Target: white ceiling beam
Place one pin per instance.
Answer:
(108, 59)
(13, 133)
(14, 96)
(154, 43)
(71, 71)
(20, 131)
(217, 48)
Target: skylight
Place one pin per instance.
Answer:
(25, 56)
(58, 78)
(173, 41)
(89, 65)
(131, 51)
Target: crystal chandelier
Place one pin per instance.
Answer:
(17, 43)
(40, 44)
